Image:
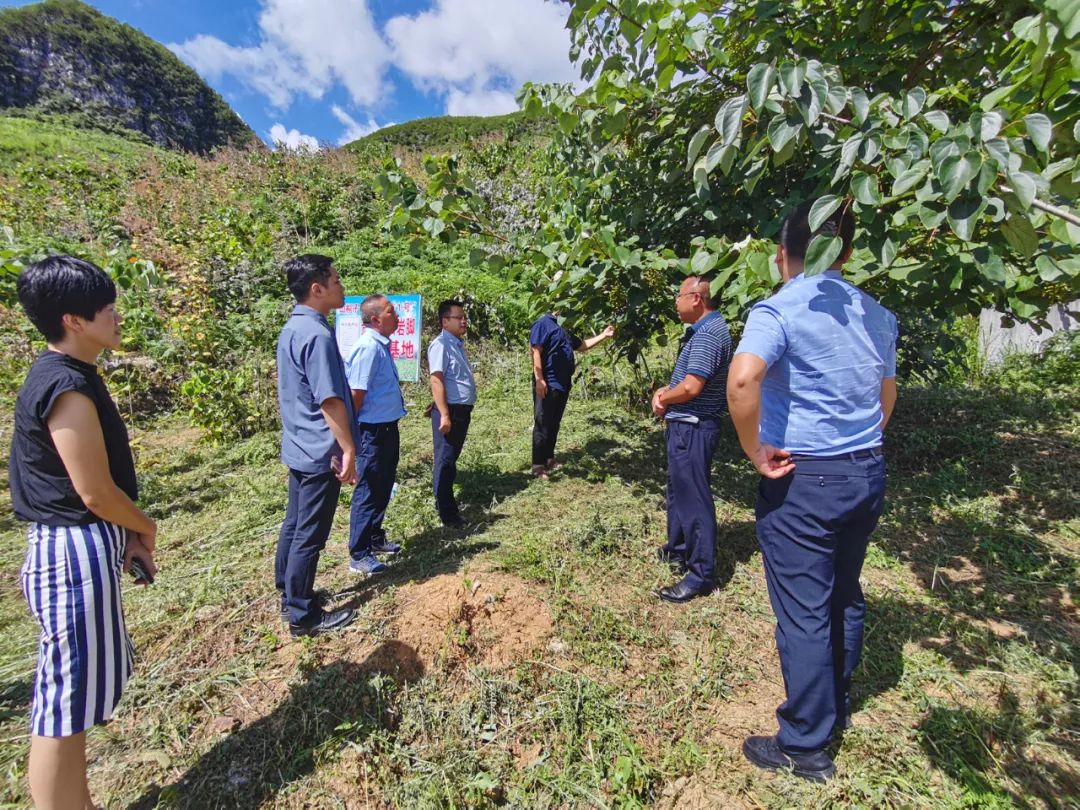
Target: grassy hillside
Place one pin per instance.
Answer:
(64, 59)
(447, 131)
(526, 662)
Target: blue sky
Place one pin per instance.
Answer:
(329, 71)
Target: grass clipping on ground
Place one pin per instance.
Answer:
(526, 661)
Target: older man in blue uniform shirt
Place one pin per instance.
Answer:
(316, 437)
(376, 395)
(811, 388)
(453, 391)
(692, 405)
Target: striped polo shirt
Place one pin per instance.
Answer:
(707, 354)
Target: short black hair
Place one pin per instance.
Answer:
(795, 233)
(303, 271)
(707, 297)
(447, 305)
(63, 285)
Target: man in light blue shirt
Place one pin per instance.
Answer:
(376, 396)
(812, 385)
(453, 391)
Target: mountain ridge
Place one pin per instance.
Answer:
(64, 59)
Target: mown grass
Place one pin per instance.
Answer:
(967, 696)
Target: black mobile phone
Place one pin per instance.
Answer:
(139, 573)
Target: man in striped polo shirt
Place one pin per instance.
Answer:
(692, 405)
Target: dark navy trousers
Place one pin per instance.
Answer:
(447, 450)
(813, 527)
(691, 514)
(377, 448)
(309, 514)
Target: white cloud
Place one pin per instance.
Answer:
(292, 139)
(479, 102)
(305, 46)
(477, 52)
(353, 128)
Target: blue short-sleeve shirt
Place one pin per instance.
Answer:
(828, 346)
(371, 369)
(310, 371)
(707, 354)
(557, 348)
(446, 354)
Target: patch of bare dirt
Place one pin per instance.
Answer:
(492, 619)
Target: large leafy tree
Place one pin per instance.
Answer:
(949, 127)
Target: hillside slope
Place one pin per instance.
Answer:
(64, 58)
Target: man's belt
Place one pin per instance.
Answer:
(855, 455)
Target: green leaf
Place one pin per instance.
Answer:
(701, 180)
(987, 125)
(702, 263)
(821, 253)
(836, 100)
(913, 102)
(864, 187)
(998, 150)
(938, 119)
(477, 256)
(1039, 130)
(727, 157)
(888, 252)
(992, 267)
(860, 103)
(696, 143)
(729, 118)
(1023, 185)
(712, 157)
(957, 171)
(759, 82)
(992, 99)
(822, 209)
(782, 130)
(930, 217)
(910, 178)
(791, 77)
(964, 215)
(1076, 131)
(848, 152)
(1048, 269)
(1020, 234)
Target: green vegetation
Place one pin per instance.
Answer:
(452, 131)
(61, 60)
(950, 130)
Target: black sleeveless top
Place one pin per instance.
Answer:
(41, 489)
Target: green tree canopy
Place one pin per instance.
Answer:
(949, 128)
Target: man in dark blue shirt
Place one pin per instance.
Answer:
(553, 370)
(692, 405)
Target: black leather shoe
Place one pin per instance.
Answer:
(681, 592)
(322, 598)
(327, 622)
(766, 753)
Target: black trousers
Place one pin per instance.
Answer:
(312, 500)
(547, 417)
(447, 450)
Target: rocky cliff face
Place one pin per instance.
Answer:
(63, 58)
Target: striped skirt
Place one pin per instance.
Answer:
(71, 581)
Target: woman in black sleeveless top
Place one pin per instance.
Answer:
(73, 479)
